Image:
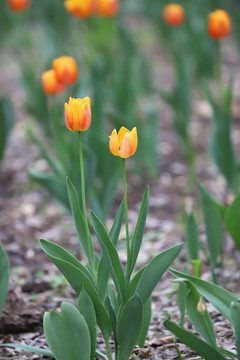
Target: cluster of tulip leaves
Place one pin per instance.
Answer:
(120, 306)
(225, 302)
(217, 218)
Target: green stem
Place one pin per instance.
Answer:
(84, 208)
(109, 353)
(219, 62)
(100, 354)
(126, 212)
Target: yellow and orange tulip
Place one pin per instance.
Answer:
(19, 5)
(80, 8)
(50, 83)
(173, 14)
(78, 114)
(219, 24)
(107, 8)
(124, 143)
(66, 69)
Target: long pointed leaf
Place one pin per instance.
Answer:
(154, 271)
(4, 277)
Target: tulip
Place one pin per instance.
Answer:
(78, 114)
(173, 14)
(80, 8)
(18, 5)
(124, 144)
(50, 83)
(107, 8)
(66, 69)
(219, 24)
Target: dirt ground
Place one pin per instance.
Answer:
(28, 213)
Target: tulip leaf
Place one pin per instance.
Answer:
(86, 308)
(29, 348)
(129, 326)
(232, 221)
(191, 237)
(6, 122)
(213, 226)
(139, 230)
(154, 271)
(103, 269)
(78, 219)
(146, 320)
(4, 277)
(134, 282)
(201, 321)
(67, 334)
(181, 296)
(78, 279)
(202, 348)
(235, 320)
(219, 297)
(111, 256)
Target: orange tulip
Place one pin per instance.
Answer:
(80, 8)
(50, 83)
(66, 69)
(78, 114)
(123, 144)
(219, 24)
(107, 8)
(18, 5)
(173, 14)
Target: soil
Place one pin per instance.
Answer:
(28, 213)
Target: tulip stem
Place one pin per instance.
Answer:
(219, 62)
(84, 208)
(126, 212)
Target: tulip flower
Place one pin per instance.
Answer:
(50, 83)
(173, 14)
(66, 69)
(19, 5)
(80, 8)
(123, 144)
(219, 24)
(78, 114)
(107, 8)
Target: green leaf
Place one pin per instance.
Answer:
(129, 326)
(78, 278)
(111, 256)
(182, 295)
(146, 320)
(219, 297)
(232, 221)
(67, 334)
(139, 230)
(103, 269)
(201, 321)
(191, 237)
(235, 316)
(202, 348)
(213, 225)
(4, 277)
(29, 348)
(6, 122)
(132, 286)
(154, 271)
(86, 308)
(78, 218)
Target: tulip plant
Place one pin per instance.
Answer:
(115, 298)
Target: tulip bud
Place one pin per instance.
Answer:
(80, 8)
(219, 24)
(66, 69)
(124, 144)
(107, 8)
(50, 83)
(78, 114)
(18, 5)
(201, 307)
(173, 14)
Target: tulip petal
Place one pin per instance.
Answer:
(121, 134)
(114, 143)
(127, 148)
